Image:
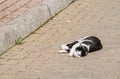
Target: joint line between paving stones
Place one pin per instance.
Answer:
(10, 5)
(15, 10)
(3, 2)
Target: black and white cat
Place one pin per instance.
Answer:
(82, 47)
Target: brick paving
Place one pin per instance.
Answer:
(37, 57)
(11, 9)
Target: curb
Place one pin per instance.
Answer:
(28, 22)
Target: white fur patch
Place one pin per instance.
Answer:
(88, 46)
(77, 54)
(80, 41)
(64, 47)
(62, 51)
(72, 51)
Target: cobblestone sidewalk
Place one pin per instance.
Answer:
(37, 57)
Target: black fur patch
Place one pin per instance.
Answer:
(94, 45)
(83, 50)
